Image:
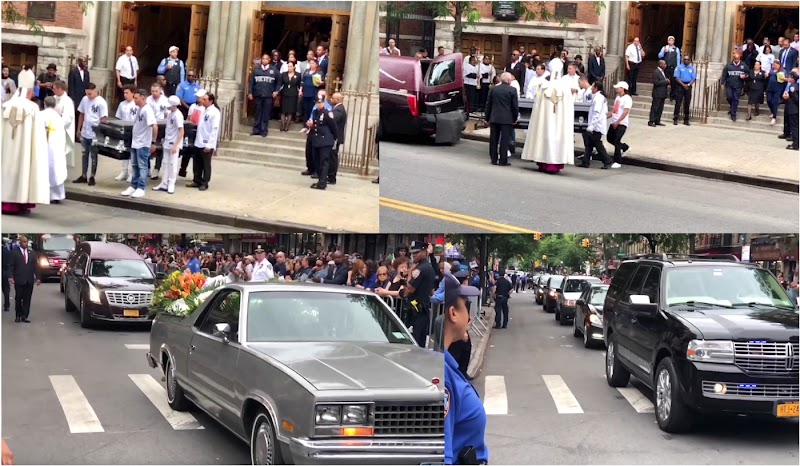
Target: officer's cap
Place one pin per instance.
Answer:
(453, 289)
(259, 250)
(320, 98)
(417, 246)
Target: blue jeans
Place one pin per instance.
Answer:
(141, 158)
(87, 152)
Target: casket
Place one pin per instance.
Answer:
(581, 114)
(113, 138)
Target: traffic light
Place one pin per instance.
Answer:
(537, 236)
(544, 258)
(585, 242)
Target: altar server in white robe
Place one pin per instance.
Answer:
(540, 76)
(25, 167)
(56, 150)
(550, 141)
(66, 108)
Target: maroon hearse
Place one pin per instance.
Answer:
(422, 97)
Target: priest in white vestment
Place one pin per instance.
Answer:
(66, 108)
(56, 150)
(25, 167)
(550, 141)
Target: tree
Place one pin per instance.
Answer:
(12, 16)
(668, 243)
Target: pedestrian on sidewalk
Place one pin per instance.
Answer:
(187, 92)
(92, 111)
(685, 76)
(145, 133)
(418, 290)
(634, 54)
(755, 96)
(23, 274)
(672, 56)
(173, 143)
(205, 142)
(290, 93)
(323, 138)
(502, 112)
(790, 96)
(465, 417)
(596, 129)
(502, 292)
(774, 91)
(173, 69)
(661, 84)
(127, 71)
(620, 118)
(734, 76)
(126, 111)
(264, 85)
(160, 105)
(340, 117)
(8, 247)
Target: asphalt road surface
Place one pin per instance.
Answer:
(456, 186)
(92, 218)
(77, 396)
(548, 402)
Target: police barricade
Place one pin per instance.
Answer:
(397, 305)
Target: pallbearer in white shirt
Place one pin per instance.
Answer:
(195, 114)
(160, 105)
(66, 108)
(173, 143)
(56, 150)
(145, 132)
(597, 128)
(126, 111)
(205, 143)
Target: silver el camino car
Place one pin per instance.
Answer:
(306, 374)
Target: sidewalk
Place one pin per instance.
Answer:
(716, 153)
(245, 195)
(479, 344)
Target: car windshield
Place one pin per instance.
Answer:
(598, 296)
(443, 72)
(725, 286)
(58, 243)
(120, 268)
(575, 285)
(318, 316)
(555, 282)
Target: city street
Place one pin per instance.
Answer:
(76, 396)
(458, 187)
(91, 218)
(548, 402)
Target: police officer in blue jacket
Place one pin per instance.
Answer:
(323, 138)
(465, 418)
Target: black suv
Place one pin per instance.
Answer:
(706, 333)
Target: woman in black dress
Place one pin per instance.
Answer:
(290, 90)
(758, 82)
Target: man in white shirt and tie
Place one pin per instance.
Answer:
(127, 70)
(634, 55)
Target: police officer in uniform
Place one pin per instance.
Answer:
(464, 416)
(323, 138)
(264, 84)
(418, 290)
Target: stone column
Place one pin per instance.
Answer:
(102, 36)
(719, 27)
(702, 31)
(727, 35)
(360, 67)
(232, 40)
(212, 39)
(612, 48)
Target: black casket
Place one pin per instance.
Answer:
(113, 138)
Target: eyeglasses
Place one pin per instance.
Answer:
(382, 274)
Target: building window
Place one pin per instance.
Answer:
(42, 10)
(567, 10)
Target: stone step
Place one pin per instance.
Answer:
(278, 156)
(267, 145)
(669, 107)
(275, 136)
(757, 124)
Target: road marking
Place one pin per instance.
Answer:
(640, 403)
(137, 346)
(157, 395)
(495, 400)
(564, 399)
(452, 217)
(79, 413)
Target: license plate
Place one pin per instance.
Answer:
(788, 409)
(130, 313)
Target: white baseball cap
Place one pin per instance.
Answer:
(621, 84)
(200, 93)
(172, 48)
(174, 101)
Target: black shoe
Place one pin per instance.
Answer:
(686, 123)
(6, 310)
(584, 165)
(314, 177)
(333, 181)
(651, 124)
(660, 124)
(81, 179)
(254, 133)
(791, 147)
(182, 173)
(306, 172)
(376, 181)
(605, 167)
(318, 186)
(783, 136)
(675, 122)
(733, 117)
(494, 163)
(192, 185)
(203, 187)
(17, 319)
(505, 164)
(26, 321)
(504, 326)
(263, 135)
(496, 326)
(91, 181)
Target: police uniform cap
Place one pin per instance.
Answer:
(417, 246)
(259, 250)
(793, 75)
(320, 99)
(453, 289)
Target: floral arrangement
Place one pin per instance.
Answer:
(181, 293)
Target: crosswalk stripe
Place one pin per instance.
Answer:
(639, 402)
(79, 413)
(562, 396)
(143, 346)
(495, 400)
(158, 396)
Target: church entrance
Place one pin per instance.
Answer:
(756, 20)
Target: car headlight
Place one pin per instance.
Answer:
(43, 262)
(595, 319)
(710, 351)
(354, 414)
(328, 414)
(94, 294)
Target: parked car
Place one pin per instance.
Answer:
(708, 334)
(53, 251)
(551, 291)
(422, 97)
(539, 288)
(64, 265)
(108, 282)
(581, 114)
(588, 321)
(305, 373)
(571, 290)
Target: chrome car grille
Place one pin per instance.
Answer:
(129, 298)
(409, 420)
(754, 391)
(766, 358)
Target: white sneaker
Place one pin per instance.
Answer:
(171, 190)
(129, 179)
(138, 193)
(122, 175)
(153, 173)
(160, 187)
(128, 191)
(772, 122)
(616, 165)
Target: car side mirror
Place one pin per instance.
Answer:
(222, 330)
(640, 304)
(580, 302)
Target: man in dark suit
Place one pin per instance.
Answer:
(24, 273)
(660, 88)
(790, 96)
(502, 112)
(337, 275)
(8, 246)
(77, 81)
(517, 68)
(787, 55)
(597, 66)
(340, 117)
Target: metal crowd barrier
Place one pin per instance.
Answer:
(397, 304)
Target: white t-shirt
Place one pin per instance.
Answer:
(208, 129)
(124, 66)
(160, 107)
(93, 110)
(173, 130)
(143, 128)
(126, 111)
(620, 104)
